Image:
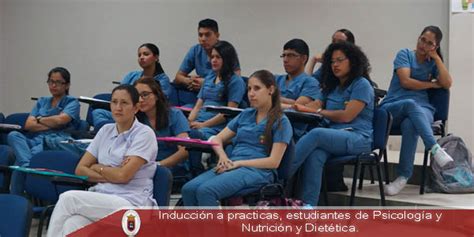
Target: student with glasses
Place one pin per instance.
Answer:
(165, 121)
(50, 116)
(296, 86)
(347, 103)
(149, 61)
(416, 71)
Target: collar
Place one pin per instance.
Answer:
(115, 132)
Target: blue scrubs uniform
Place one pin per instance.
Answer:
(209, 187)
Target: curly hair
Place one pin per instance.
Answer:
(359, 66)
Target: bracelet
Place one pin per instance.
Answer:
(100, 170)
(319, 110)
(38, 118)
(158, 163)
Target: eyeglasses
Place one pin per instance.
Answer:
(338, 60)
(144, 95)
(424, 41)
(290, 55)
(56, 83)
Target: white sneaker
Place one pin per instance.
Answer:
(395, 186)
(440, 155)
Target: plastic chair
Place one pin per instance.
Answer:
(41, 188)
(101, 96)
(382, 124)
(275, 189)
(7, 158)
(439, 99)
(18, 214)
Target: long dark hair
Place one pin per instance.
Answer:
(230, 61)
(161, 103)
(275, 112)
(156, 52)
(438, 36)
(64, 74)
(359, 65)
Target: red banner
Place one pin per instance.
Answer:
(285, 222)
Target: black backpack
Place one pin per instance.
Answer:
(457, 176)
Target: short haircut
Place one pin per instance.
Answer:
(210, 24)
(297, 45)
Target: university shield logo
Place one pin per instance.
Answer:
(131, 223)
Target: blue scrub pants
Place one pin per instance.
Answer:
(314, 148)
(413, 121)
(208, 188)
(24, 148)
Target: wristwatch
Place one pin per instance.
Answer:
(38, 118)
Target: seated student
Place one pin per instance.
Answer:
(338, 36)
(221, 87)
(296, 87)
(121, 159)
(165, 121)
(416, 71)
(149, 61)
(334, 177)
(261, 133)
(198, 57)
(48, 119)
(348, 105)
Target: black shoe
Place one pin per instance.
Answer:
(337, 187)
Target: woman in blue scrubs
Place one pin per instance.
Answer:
(222, 87)
(415, 72)
(260, 137)
(47, 121)
(166, 121)
(347, 104)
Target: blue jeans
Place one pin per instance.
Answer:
(208, 188)
(100, 117)
(414, 121)
(314, 148)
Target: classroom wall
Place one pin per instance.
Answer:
(461, 67)
(97, 40)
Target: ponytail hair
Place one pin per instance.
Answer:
(156, 52)
(276, 112)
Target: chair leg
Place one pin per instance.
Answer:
(371, 172)
(423, 173)
(354, 182)
(379, 177)
(44, 214)
(324, 188)
(385, 166)
(361, 176)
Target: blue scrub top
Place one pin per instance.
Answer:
(196, 59)
(425, 71)
(68, 105)
(177, 124)
(162, 78)
(213, 94)
(360, 89)
(317, 74)
(301, 85)
(249, 140)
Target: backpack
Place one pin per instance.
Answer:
(457, 176)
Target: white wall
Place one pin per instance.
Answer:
(461, 66)
(97, 40)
